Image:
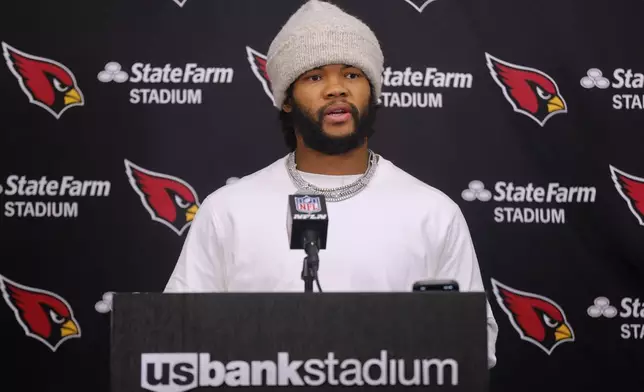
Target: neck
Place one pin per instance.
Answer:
(349, 163)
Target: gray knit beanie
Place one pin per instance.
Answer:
(318, 34)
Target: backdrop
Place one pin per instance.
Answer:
(528, 114)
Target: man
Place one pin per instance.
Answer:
(325, 68)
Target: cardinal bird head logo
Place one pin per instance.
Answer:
(537, 319)
(258, 65)
(168, 199)
(529, 91)
(47, 83)
(43, 315)
(631, 188)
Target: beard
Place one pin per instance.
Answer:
(312, 131)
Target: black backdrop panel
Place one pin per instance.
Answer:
(549, 174)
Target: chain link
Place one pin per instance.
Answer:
(332, 194)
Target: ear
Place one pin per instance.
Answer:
(287, 107)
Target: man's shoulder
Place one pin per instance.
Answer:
(413, 188)
(254, 185)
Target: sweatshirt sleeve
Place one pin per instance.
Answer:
(200, 267)
(459, 262)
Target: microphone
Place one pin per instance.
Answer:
(307, 225)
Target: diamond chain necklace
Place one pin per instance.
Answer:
(333, 194)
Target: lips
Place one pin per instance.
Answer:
(338, 113)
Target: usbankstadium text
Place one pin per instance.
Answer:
(161, 372)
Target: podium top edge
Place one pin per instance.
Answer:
(334, 293)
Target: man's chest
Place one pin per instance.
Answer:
(364, 252)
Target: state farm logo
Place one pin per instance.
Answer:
(631, 188)
(20, 191)
(113, 72)
(602, 307)
(631, 308)
(476, 191)
(169, 200)
(530, 91)
(185, 75)
(47, 83)
(43, 315)
(508, 192)
(536, 318)
(621, 79)
(104, 305)
(594, 78)
(419, 5)
(421, 88)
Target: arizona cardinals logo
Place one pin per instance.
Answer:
(258, 65)
(46, 83)
(529, 91)
(632, 190)
(43, 315)
(537, 319)
(168, 199)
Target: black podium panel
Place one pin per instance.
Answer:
(250, 342)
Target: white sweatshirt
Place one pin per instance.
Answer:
(397, 231)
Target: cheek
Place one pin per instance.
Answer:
(362, 92)
(306, 96)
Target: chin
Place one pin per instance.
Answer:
(339, 131)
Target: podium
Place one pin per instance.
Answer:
(433, 341)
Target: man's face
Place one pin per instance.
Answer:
(331, 108)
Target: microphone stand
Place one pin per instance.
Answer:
(311, 261)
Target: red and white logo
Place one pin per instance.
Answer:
(419, 5)
(258, 65)
(169, 200)
(47, 83)
(43, 315)
(631, 188)
(530, 92)
(537, 319)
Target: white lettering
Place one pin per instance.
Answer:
(165, 96)
(509, 192)
(180, 372)
(632, 331)
(529, 215)
(137, 73)
(190, 73)
(287, 371)
(39, 209)
(628, 101)
(627, 311)
(415, 99)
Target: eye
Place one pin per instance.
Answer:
(180, 202)
(60, 86)
(543, 94)
(353, 75)
(314, 78)
(55, 317)
(550, 322)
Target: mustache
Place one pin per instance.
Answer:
(355, 113)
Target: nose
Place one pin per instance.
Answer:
(335, 88)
